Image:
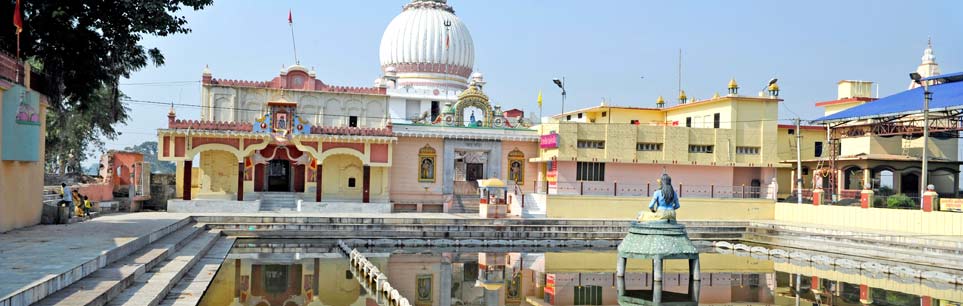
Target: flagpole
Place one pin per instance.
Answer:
(293, 42)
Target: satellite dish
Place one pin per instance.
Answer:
(773, 81)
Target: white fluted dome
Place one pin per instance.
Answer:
(415, 42)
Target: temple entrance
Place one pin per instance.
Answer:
(474, 172)
(279, 176)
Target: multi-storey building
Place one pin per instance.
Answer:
(723, 145)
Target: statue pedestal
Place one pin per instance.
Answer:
(658, 240)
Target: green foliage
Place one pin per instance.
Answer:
(82, 49)
(884, 191)
(149, 149)
(899, 201)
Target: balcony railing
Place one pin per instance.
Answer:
(616, 189)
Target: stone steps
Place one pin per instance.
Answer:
(862, 245)
(57, 281)
(108, 282)
(189, 290)
(215, 219)
(152, 287)
(464, 204)
(278, 201)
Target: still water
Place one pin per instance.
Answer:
(314, 273)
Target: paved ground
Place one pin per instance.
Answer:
(30, 254)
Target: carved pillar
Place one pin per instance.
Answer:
(240, 181)
(366, 185)
(188, 165)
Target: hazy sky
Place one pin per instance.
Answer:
(603, 48)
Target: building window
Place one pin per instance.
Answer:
(644, 146)
(700, 149)
(688, 121)
(716, 120)
(747, 150)
(604, 114)
(818, 149)
(586, 171)
(435, 111)
(412, 109)
(591, 144)
(568, 117)
(580, 115)
(353, 121)
(588, 295)
(635, 122)
(792, 131)
(351, 182)
(805, 171)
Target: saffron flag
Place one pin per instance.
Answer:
(447, 40)
(539, 98)
(290, 20)
(17, 19)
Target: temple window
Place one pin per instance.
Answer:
(648, 146)
(747, 150)
(351, 182)
(353, 121)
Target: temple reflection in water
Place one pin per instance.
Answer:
(320, 277)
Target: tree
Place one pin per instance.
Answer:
(149, 149)
(83, 48)
(75, 132)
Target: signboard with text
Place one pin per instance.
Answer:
(549, 141)
(951, 205)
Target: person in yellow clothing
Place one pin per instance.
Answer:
(79, 207)
(86, 207)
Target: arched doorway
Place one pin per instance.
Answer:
(342, 178)
(910, 183)
(280, 169)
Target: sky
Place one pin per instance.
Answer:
(625, 52)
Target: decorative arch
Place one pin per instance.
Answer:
(190, 154)
(344, 151)
(473, 97)
(427, 164)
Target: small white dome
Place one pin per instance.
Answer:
(416, 41)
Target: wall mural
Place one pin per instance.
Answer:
(516, 166)
(426, 164)
(21, 124)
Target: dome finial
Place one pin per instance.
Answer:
(733, 87)
(660, 102)
(682, 97)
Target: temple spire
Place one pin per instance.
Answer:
(928, 66)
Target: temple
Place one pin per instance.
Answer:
(420, 137)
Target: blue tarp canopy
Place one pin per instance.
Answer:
(946, 96)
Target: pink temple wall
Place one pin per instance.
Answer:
(379, 153)
(531, 169)
(404, 185)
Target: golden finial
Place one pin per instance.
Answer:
(732, 84)
(716, 95)
(660, 100)
(773, 87)
(682, 95)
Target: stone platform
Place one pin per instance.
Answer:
(658, 240)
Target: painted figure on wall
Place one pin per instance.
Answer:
(515, 172)
(427, 169)
(426, 164)
(423, 289)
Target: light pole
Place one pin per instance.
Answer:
(561, 85)
(927, 96)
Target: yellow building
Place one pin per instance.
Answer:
(22, 130)
(725, 146)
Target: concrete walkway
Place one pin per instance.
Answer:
(44, 257)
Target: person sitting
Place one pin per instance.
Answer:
(664, 203)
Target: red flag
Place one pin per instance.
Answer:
(289, 16)
(447, 40)
(17, 20)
